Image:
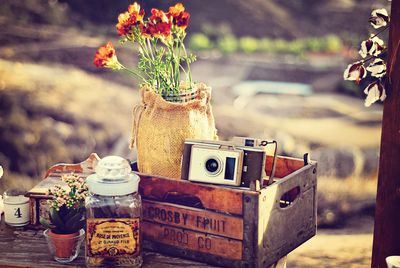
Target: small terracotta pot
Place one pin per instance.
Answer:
(63, 243)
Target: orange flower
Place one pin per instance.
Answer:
(158, 16)
(129, 19)
(178, 16)
(176, 10)
(135, 9)
(158, 26)
(105, 57)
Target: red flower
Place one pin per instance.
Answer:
(105, 57)
(178, 16)
(157, 26)
(129, 19)
(147, 30)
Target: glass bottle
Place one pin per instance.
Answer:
(113, 214)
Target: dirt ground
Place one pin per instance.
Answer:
(347, 247)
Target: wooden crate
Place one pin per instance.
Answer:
(231, 227)
(225, 226)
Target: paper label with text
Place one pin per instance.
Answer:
(113, 237)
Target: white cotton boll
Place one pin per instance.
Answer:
(372, 96)
(377, 40)
(373, 46)
(379, 18)
(374, 91)
(380, 12)
(378, 22)
(354, 72)
(377, 68)
(363, 51)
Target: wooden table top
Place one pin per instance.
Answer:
(27, 247)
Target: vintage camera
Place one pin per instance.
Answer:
(222, 162)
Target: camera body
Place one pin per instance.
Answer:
(221, 162)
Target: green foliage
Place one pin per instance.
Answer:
(227, 44)
(280, 46)
(216, 31)
(65, 220)
(248, 44)
(314, 44)
(199, 41)
(266, 45)
(333, 43)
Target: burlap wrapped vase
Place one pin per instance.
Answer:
(160, 129)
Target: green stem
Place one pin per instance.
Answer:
(372, 57)
(380, 31)
(177, 60)
(149, 46)
(171, 65)
(183, 69)
(133, 72)
(145, 51)
(188, 65)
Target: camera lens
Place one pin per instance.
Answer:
(212, 165)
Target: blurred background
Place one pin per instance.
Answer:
(276, 69)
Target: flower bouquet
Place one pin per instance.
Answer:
(173, 107)
(66, 218)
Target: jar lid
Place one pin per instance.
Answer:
(15, 196)
(113, 176)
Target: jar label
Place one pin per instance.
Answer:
(112, 237)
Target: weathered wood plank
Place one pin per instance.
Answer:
(227, 200)
(196, 241)
(193, 219)
(86, 166)
(284, 165)
(250, 228)
(282, 228)
(24, 247)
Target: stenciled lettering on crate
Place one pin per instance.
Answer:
(197, 241)
(193, 219)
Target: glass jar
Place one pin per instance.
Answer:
(16, 208)
(113, 214)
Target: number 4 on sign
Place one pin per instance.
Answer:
(18, 213)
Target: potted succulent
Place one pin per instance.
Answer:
(66, 222)
(173, 106)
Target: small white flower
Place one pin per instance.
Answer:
(377, 68)
(379, 18)
(355, 72)
(374, 91)
(371, 47)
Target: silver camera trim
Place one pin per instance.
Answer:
(220, 168)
